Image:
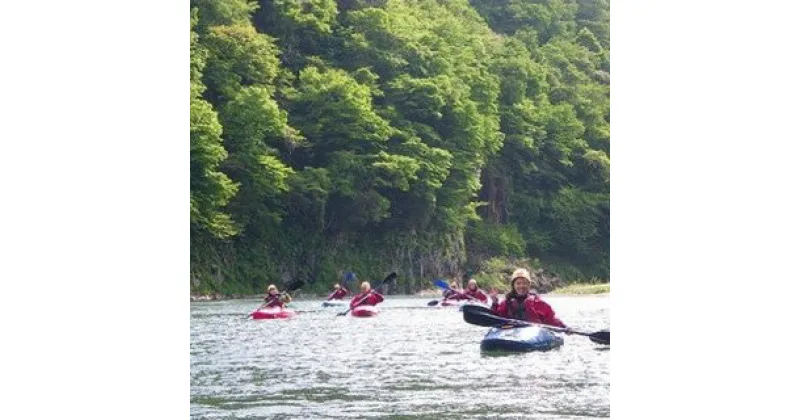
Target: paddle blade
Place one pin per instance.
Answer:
(433, 303)
(477, 318)
(441, 284)
(349, 277)
(490, 320)
(389, 278)
(601, 337)
(476, 308)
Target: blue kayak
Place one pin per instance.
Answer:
(334, 303)
(520, 339)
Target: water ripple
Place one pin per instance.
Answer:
(412, 361)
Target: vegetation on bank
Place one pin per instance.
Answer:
(426, 137)
(583, 289)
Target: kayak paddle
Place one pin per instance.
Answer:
(484, 317)
(295, 285)
(441, 284)
(388, 278)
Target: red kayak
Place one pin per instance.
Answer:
(365, 311)
(273, 313)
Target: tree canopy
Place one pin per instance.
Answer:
(417, 136)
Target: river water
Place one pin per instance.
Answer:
(411, 361)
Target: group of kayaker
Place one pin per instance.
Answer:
(472, 292)
(521, 302)
(366, 297)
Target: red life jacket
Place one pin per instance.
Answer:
(477, 294)
(273, 301)
(338, 293)
(531, 309)
(373, 299)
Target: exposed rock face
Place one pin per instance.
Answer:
(544, 281)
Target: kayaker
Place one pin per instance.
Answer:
(369, 296)
(453, 292)
(274, 298)
(523, 303)
(473, 292)
(339, 292)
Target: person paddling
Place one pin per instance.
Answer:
(453, 293)
(473, 292)
(366, 297)
(274, 299)
(524, 304)
(339, 292)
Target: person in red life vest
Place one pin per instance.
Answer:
(453, 292)
(275, 299)
(523, 304)
(472, 292)
(366, 297)
(339, 292)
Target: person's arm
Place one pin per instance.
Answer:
(378, 298)
(499, 310)
(549, 315)
(355, 300)
(480, 296)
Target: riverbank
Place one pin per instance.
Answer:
(221, 296)
(583, 289)
(572, 289)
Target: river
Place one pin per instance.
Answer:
(411, 361)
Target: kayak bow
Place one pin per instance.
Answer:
(273, 313)
(364, 311)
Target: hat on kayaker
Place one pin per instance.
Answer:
(271, 288)
(520, 273)
(336, 286)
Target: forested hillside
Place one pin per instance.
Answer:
(419, 136)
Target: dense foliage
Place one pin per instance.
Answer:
(420, 136)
